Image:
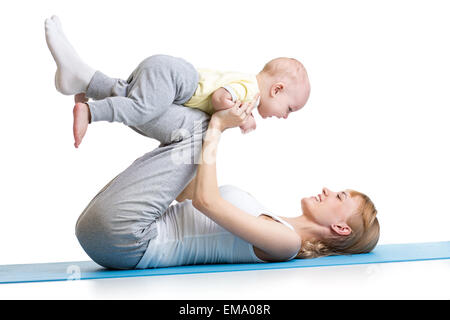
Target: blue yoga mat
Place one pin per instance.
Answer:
(78, 270)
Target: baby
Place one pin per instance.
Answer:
(282, 85)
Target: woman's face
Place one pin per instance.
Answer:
(331, 209)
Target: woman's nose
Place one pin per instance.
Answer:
(326, 191)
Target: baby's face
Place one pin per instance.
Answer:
(281, 100)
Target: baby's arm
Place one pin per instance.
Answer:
(221, 99)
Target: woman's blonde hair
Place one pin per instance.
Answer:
(363, 238)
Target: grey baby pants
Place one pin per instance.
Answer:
(117, 225)
(159, 81)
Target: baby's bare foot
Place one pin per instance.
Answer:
(81, 119)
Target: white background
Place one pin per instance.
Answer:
(377, 119)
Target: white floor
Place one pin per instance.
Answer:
(406, 280)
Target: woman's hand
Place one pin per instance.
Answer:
(233, 117)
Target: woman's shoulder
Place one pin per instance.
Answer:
(230, 192)
(228, 186)
(241, 199)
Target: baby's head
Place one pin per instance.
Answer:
(284, 87)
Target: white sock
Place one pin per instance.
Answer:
(72, 74)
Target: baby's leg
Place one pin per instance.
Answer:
(113, 106)
(158, 82)
(72, 74)
(112, 109)
(101, 86)
(153, 87)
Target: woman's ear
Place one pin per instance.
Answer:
(341, 229)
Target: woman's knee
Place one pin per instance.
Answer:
(113, 221)
(94, 222)
(107, 240)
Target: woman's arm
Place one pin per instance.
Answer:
(271, 237)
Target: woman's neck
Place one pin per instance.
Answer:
(305, 227)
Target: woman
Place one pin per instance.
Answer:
(130, 224)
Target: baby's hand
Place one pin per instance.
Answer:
(249, 125)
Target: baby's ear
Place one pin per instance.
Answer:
(278, 87)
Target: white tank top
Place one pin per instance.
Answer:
(186, 236)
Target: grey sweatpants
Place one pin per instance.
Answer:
(159, 81)
(117, 225)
